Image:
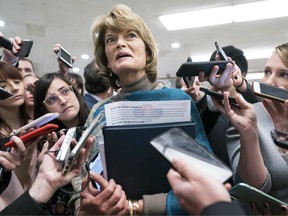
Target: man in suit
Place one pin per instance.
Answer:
(97, 87)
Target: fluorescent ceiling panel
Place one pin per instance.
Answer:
(222, 15)
(193, 19)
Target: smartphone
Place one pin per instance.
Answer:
(76, 150)
(280, 138)
(189, 81)
(218, 95)
(65, 57)
(25, 48)
(37, 122)
(6, 43)
(221, 51)
(189, 69)
(248, 194)
(4, 94)
(270, 92)
(30, 136)
(177, 143)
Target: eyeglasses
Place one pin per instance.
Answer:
(54, 98)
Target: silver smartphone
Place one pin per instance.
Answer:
(221, 51)
(76, 150)
(65, 57)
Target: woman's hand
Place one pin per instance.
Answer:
(109, 200)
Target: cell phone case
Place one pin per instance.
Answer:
(176, 143)
(4, 94)
(37, 122)
(248, 194)
(25, 48)
(270, 92)
(218, 95)
(188, 69)
(28, 137)
(6, 43)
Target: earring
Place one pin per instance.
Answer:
(111, 73)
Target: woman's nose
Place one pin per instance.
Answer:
(62, 100)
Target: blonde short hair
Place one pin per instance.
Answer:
(120, 19)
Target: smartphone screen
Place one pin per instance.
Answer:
(65, 57)
(177, 143)
(4, 94)
(270, 92)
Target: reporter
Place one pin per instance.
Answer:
(199, 193)
(47, 182)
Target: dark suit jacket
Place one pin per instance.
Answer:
(223, 208)
(25, 205)
(90, 101)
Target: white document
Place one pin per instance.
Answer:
(147, 112)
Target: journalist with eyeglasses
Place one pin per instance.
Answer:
(55, 93)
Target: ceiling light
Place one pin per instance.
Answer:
(175, 45)
(75, 69)
(85, 56)
(223, 15)
(2, 23)
(265, 10)
(258, 54)
(193, 19)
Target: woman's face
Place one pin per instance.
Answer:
(61, 98)
(275, 72)
(126, 55)
(16, 87)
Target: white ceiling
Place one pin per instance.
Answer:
(68, 22)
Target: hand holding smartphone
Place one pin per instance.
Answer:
(30, 136)
(25, 48)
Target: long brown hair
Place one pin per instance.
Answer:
(7, 71)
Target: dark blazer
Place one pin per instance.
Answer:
(90, 101)
(25, 205)
(223, 208)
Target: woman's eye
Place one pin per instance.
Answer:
(110, 40)
(131, 35)
(65, 91)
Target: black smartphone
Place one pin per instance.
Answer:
(189, 69)
(218, 95)
(65, 57)
(4, 94)
(6, 43)
(221, 51)
(280, 138)
(248, 194)
(270, 92)
(25, 48)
